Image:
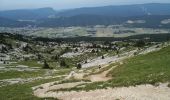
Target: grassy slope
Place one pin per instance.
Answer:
(30, 63)
(150, 68)
(20, 74)
(22, 91)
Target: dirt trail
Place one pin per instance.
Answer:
(140, 92)
(46, 90)
(101, 76)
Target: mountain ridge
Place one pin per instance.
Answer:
(121, 10)
(28, 14)
(153, 13)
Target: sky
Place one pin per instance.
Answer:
(68, 4)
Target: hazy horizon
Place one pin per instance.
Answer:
(71, 4)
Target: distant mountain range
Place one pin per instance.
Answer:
(122, 10)
(28, 14)
(152, 14)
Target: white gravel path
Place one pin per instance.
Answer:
(140, 92)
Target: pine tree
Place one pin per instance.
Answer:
(46, 66)
(79, 66)
(102, 56)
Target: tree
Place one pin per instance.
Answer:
(140, 43)
(79, 66)
(4, 49)
(74, 46)
(107, 49)
(46, 66)
(99, 66)
(56, 57)
(167, 38)
(27, 48)
(97, 50)
(107, 43)
(39, 56)
(76, 50)
(63, 64)
(10, 46)
(102, 56)
(94, 45)
(93, 51)
(117, 51)
(4, 62)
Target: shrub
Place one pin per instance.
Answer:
(102, 57)
(169, 85)
(93, 51)
(56, 57)
(76, 50)
(140, 43)
(79, 66)
(46, 66)
(63, 64)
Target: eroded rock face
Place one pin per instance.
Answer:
(71, 54)
(18, 68)
(4, 57)
(107, 60)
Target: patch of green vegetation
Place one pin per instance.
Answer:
(30, 63)
(31, 74)
(53, 64)
(70, 81)
(23, 91)
(149, 68)
(20, 74)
